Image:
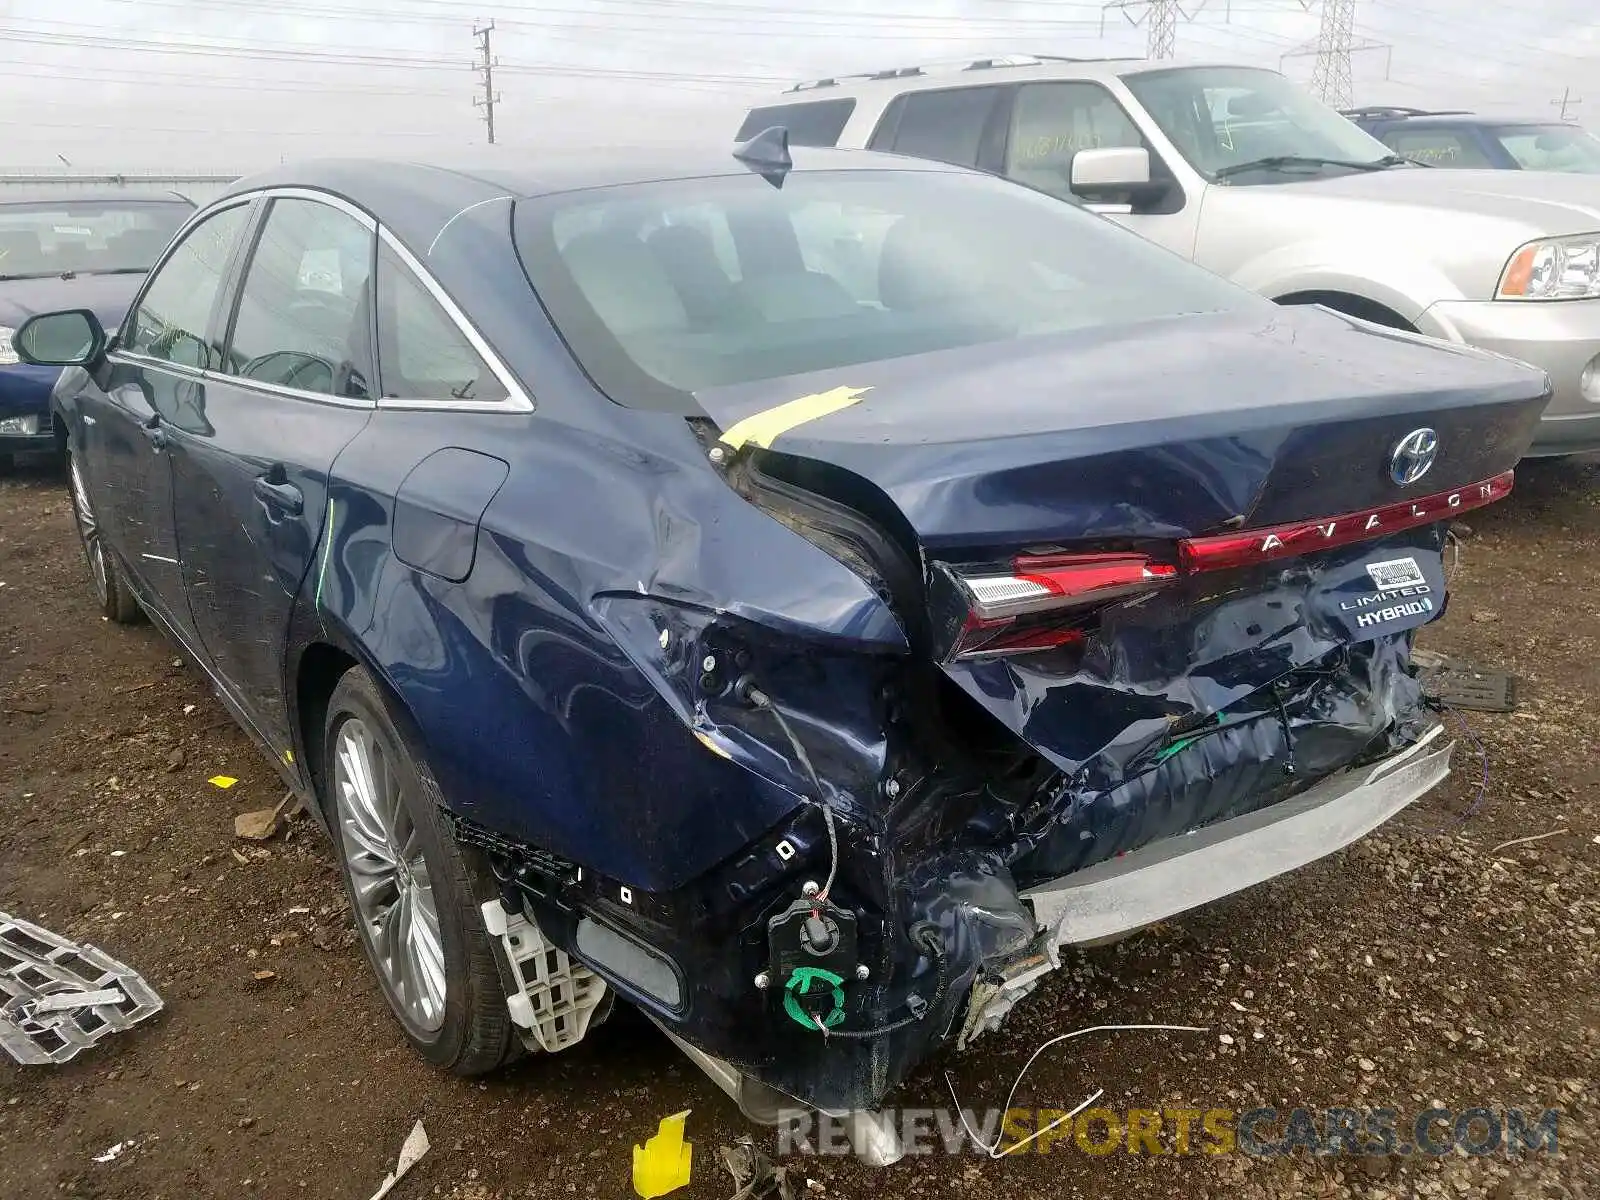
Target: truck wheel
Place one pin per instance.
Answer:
(411, 888)
(111, 590)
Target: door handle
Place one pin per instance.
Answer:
(284, 497)
(154, 433)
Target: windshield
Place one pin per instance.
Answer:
(1221, 117)
(67, 238)
(668, 288)
(1552, 148)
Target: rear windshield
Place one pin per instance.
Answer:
(665, 289)
(84, 238)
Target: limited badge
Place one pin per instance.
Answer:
(1396, 573)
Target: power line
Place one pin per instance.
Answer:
(485, 67)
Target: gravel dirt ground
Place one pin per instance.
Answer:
(1428, 964)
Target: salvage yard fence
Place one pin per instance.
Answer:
(199, 187)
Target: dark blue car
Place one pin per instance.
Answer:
(67, 251)
(796, 595)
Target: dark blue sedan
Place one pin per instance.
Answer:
(67, 250)
(796, 595)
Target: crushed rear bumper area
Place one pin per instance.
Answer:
(1177, 874)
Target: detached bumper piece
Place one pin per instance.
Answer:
(58, 998)
(551, 998)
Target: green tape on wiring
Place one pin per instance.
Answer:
(1184, 743)
(799, 984)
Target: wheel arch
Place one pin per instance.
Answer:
(1351, 305)
(320, 665)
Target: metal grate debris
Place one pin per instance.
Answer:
(58, 997)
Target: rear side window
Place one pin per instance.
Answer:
(810, 123)
(422, 352)
(944, 126)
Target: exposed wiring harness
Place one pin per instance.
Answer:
(924, 936)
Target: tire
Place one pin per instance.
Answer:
(419, 922)
(110, 586)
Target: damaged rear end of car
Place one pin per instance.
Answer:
(1132, 607)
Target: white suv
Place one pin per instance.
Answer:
(1242, 171)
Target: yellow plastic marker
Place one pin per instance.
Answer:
(760, 429)
(222, 781)
(662, 1164)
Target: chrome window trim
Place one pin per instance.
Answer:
(277, 389)
(217, 377)
(366, 219)
(133, 358)
(517, 400)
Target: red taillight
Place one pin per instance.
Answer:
(1037, 582)
(1066, 585)
(1221, 551)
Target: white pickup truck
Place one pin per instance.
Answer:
(1242, 171)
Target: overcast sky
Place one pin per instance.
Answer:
(235, 84)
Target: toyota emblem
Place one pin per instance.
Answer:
(1412, 456)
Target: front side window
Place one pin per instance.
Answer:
(945, 126)
(1051, 122)
(422, 353)
(171, 319)
(1552, 148)
(665, 289)
(304, 318)
(1238, 123)
(89, 238)
(1437, 147)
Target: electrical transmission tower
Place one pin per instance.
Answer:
(1336, 42)
(1160, 18)
(1330, 77)
(485, 67)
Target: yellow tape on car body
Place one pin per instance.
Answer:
(763, 427)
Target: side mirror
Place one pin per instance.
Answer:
(1111, 169)
(73, 338)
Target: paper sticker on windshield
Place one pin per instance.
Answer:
(1396, 573)
(74, 230)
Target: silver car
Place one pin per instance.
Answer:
(1241, 170)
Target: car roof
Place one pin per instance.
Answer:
(1014, 68)
(1444, 119)
(414, 198)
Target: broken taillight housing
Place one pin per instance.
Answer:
(1056, 584)
(1046, 601)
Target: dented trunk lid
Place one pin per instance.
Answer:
(1164, 429)
(1182, 702)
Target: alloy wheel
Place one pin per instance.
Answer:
(389, 877)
